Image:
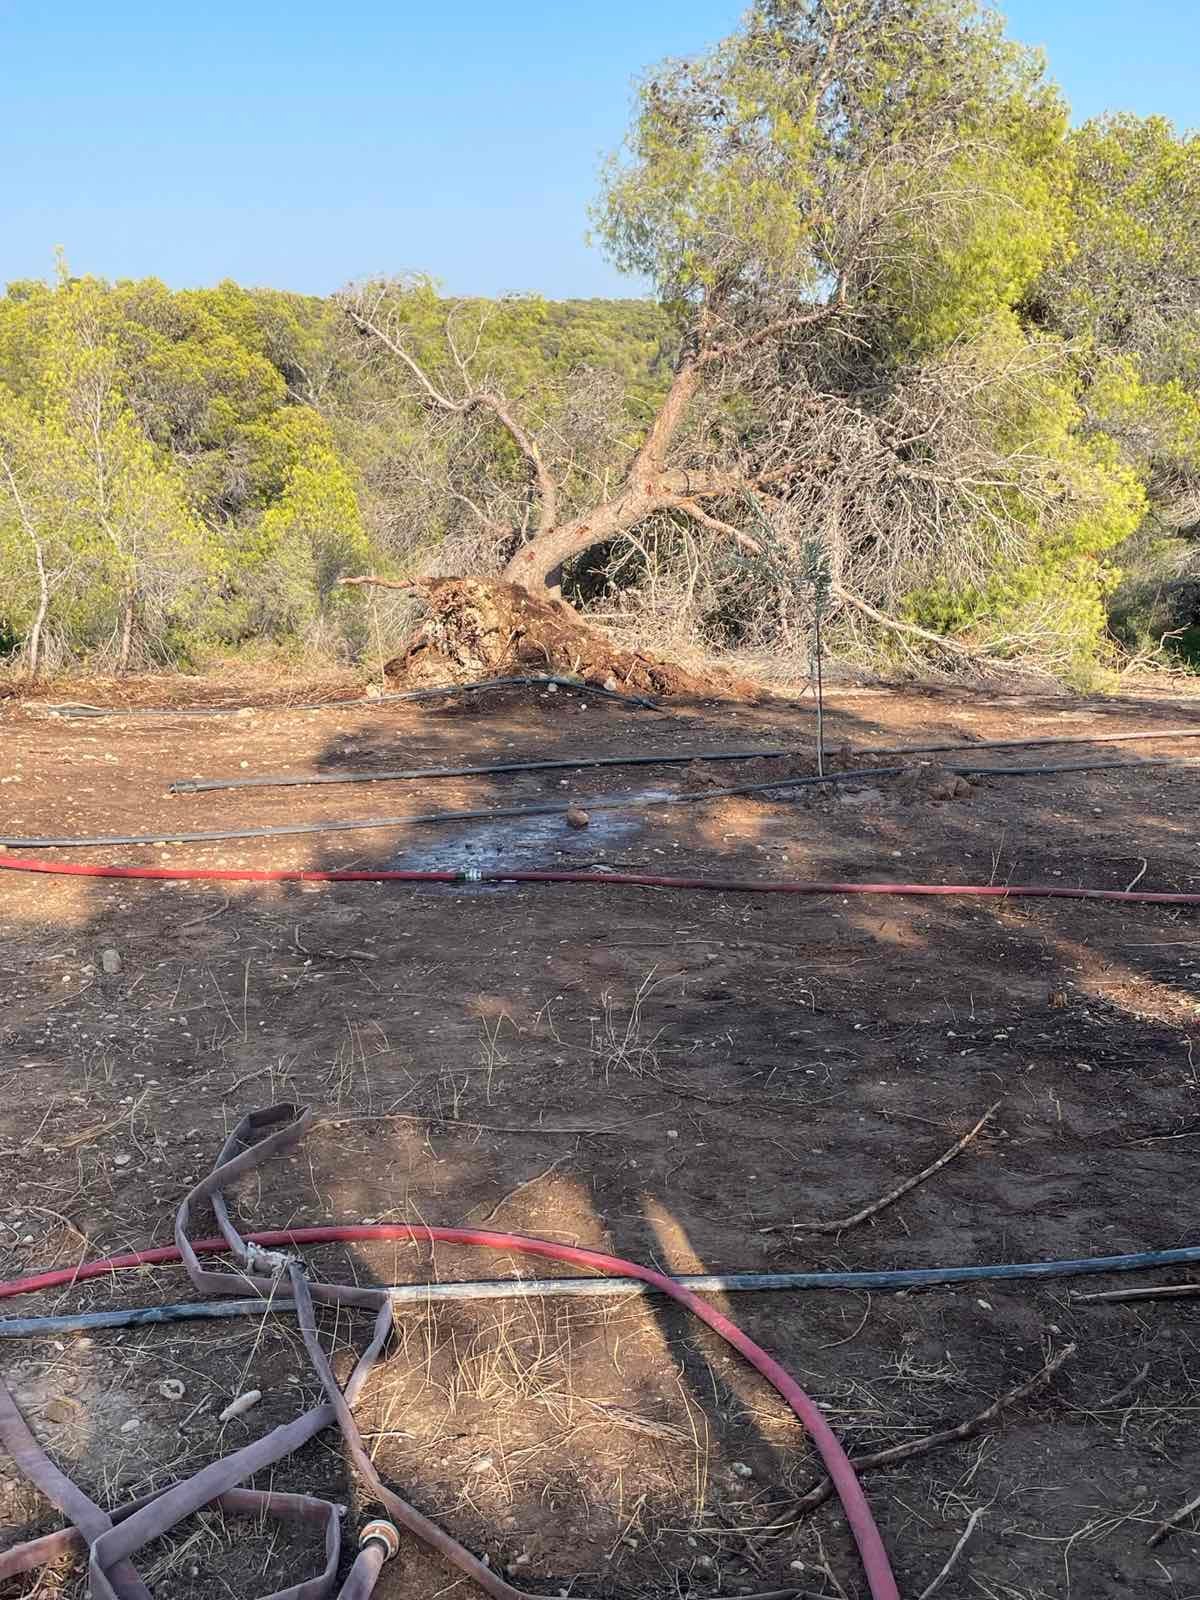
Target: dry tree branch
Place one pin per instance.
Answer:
(742, 540)
(367, 321)
(381, 583)
(840, 1224)
(818, 1495)
(772, 330)
(932, 1588)
(857, 603)
(1170, 1291)
(1173, 1521)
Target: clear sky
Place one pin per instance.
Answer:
(300, 144)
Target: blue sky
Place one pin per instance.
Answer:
(301, 144)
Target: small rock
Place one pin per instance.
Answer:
(577, 817)
(484, 1464)
(58, 1410)
(611, 684)
(110, 962)
(241, 1405)
(861, 797)
(122, 1160)
(741, 1470)
(131, 1426)
(171, 1389)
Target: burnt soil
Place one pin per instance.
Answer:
(663, 1075)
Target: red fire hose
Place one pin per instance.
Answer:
(876, 1565)
(644, 880)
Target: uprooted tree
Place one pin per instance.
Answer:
(845, 208)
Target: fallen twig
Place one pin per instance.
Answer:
(521, 1187)
(972, 1523)
(96, 1130)
(1169, 1291)
(380, 583)
(821, 1492)
(840, 1224)
(194, 922)
(1173, 1520)
(1126, 1389)
(48, 1211)
(1133, 882)
(246, 1078)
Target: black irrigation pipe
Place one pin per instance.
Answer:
(899, 1280)
(578, 763)
(618, 803)
(79, 712)
(299, 780)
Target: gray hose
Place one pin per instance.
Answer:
(619, 803)
(396, 774)
(590, 1288)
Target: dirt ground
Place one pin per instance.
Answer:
(674, 1076)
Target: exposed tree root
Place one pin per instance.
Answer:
(478, 628)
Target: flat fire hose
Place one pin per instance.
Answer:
(113, 1539)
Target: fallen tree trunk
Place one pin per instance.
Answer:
(479, 628)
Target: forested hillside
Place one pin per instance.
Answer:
(914, 343)
(186, 469)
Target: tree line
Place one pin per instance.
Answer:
(903, 316)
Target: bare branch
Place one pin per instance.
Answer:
(528, 446)
(369, 324)
(742, 540)
(894, 625)
(490, 523)
(773, 330)
(369, 579)
(368, 321)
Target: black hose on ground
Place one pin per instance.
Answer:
(579, 763)
(558, 808)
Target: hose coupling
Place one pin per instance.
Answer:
(385, 1533)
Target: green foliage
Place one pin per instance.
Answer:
(1047, 596)
(900, 151)
(88, 488)
(309, 537)
(212, 461)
